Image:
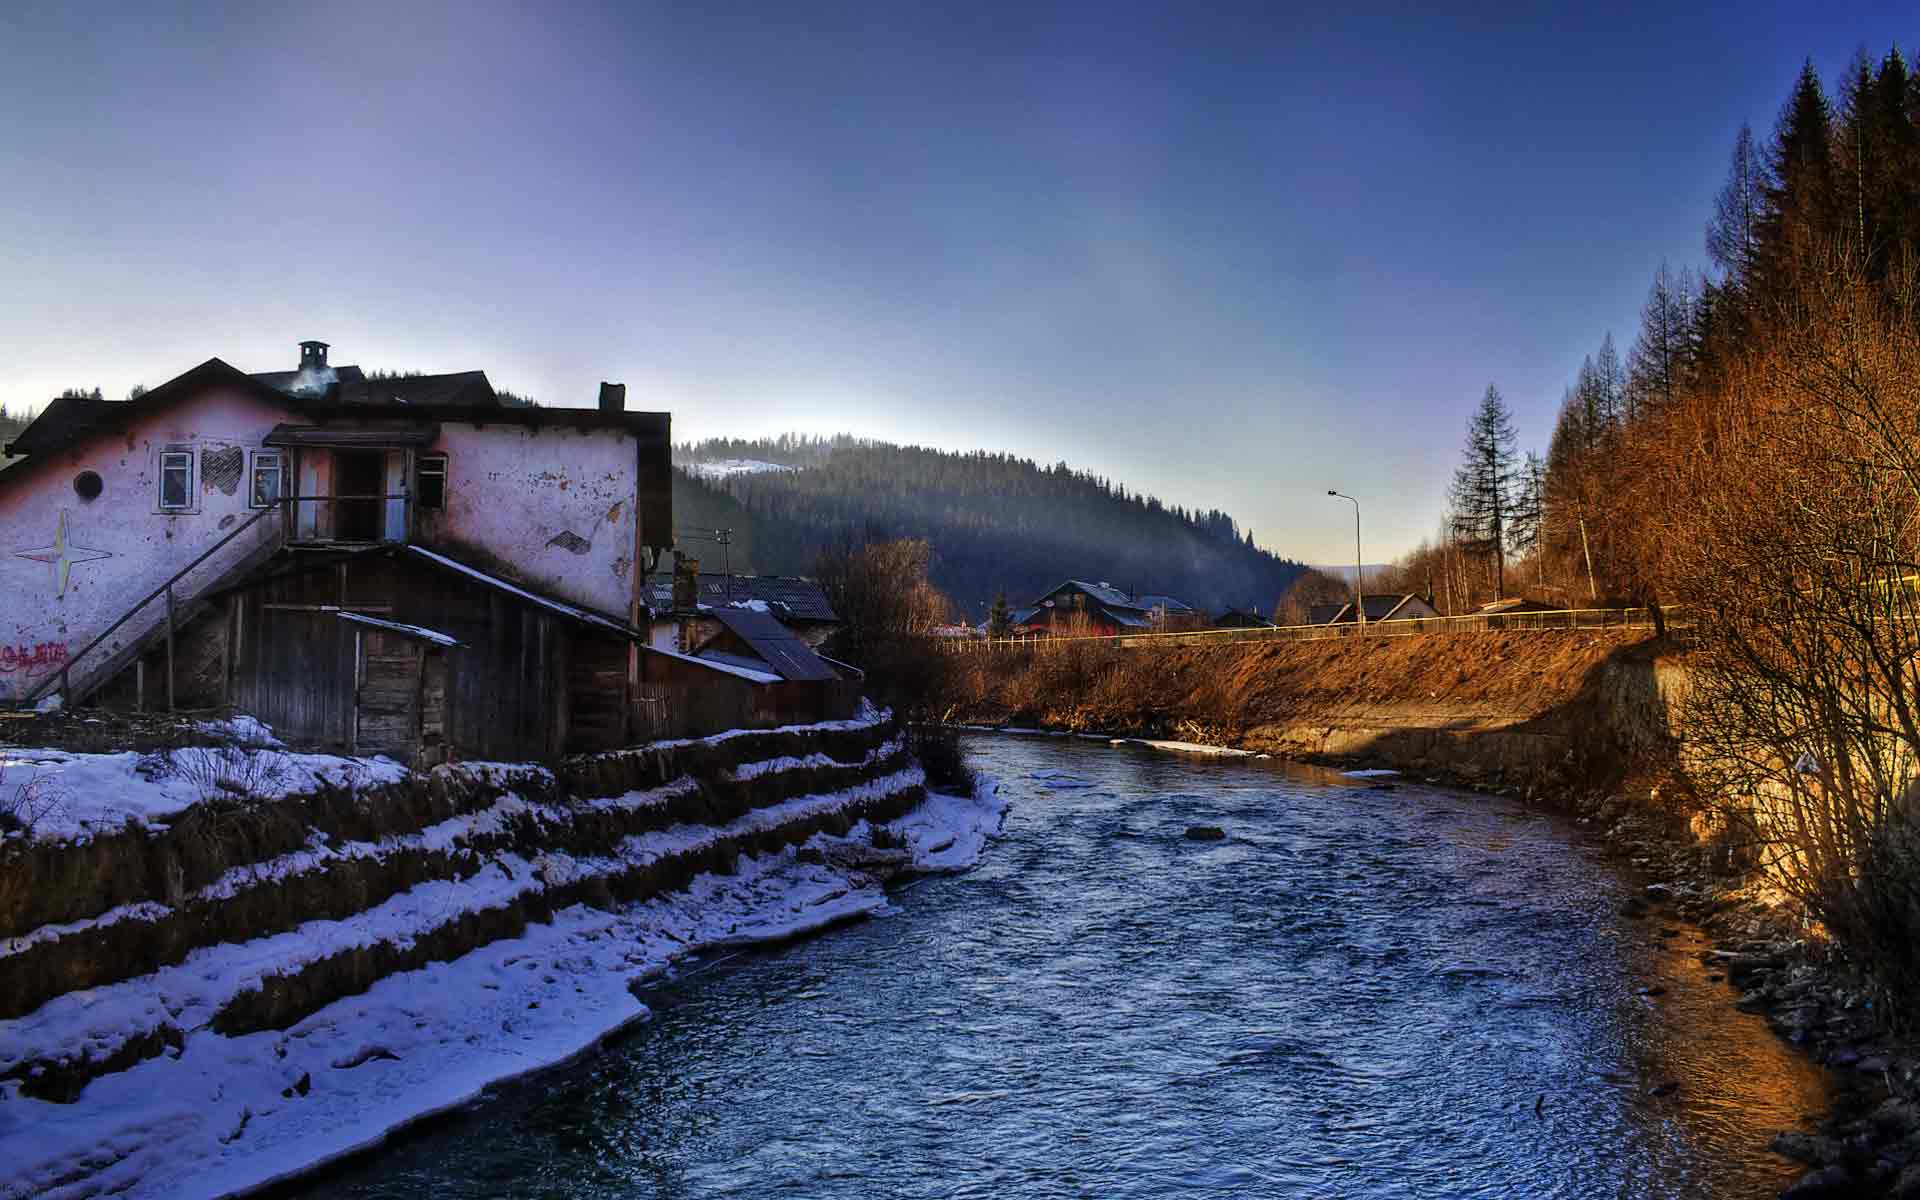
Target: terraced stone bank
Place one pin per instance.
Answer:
(226, 987)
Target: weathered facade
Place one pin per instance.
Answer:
(125, 519)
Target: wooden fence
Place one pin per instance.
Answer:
(1569, 618)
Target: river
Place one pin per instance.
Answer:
(1361, 992)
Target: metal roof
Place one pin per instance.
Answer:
(1105, 593)
(1172, 604)
(781, 647)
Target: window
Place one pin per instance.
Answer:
(176, 479)
(87, 485)
(269, 478)
(430, 490)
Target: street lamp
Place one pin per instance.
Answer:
(1359, 596)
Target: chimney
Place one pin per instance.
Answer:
(686, 582)
(313, 356)
(613, 396)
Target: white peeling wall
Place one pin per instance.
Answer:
(69, 566)
(556, 509)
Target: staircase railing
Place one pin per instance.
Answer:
(34, 693)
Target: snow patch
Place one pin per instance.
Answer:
(723, 468)
(221, 1114)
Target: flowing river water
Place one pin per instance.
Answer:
(1360, 992)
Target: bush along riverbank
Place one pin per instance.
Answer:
(224, 965)
(1584, 724)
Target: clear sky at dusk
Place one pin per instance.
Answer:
(1232, 255)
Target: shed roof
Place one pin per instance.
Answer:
(400, 627)
(779, 646)
(584, 615)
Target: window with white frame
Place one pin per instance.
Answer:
(176, 479)
(430, 491)
(268, 479)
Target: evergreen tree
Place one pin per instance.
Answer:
(1529, 508)
(1800, 195)
(999, 620)
(1733, 235)
(1482, 493)
(1655, 363)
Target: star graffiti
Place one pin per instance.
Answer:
(62, 554)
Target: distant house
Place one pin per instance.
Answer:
(1325, 614)
(1385, 606)
(1238, 618)
(1077, 607)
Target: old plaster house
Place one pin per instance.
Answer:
(404, 565)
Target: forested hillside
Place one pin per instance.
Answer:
(995, 522)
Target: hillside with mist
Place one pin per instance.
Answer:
(996, 522)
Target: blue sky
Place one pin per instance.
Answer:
(1232, 255)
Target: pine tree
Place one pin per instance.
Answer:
(1529, 508)
(999, 620)
(1801, 202)
(1482, 492)
(1733, 236)
(1655, 363)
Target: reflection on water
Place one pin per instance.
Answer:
(1407, 993)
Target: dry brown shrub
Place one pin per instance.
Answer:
(1791, 535)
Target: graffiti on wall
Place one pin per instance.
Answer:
(62, 555)
(36, 659)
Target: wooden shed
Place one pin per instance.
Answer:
(403, 651)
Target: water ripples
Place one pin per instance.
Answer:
(1358, 993)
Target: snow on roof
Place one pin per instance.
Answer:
(431, 635)
(747, 673)
(494, 581)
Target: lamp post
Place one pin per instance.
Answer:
(1359, 596)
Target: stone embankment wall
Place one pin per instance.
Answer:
(243, 913)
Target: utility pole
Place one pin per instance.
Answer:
(1359, 594)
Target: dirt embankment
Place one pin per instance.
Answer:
(1530, 709)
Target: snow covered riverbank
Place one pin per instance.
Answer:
(218, 1115)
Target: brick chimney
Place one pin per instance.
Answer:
(313, 356)
(613, 397)
(686, 582)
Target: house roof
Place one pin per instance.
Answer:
(63, 419)
(779, 646)
(793, 598)
(60, 425)
(1172, 604)
(306, 380)
(1378, 606)
(462, 389)
(1105, 593)
(1241, 618)
(429, 398)
(1327, 613)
